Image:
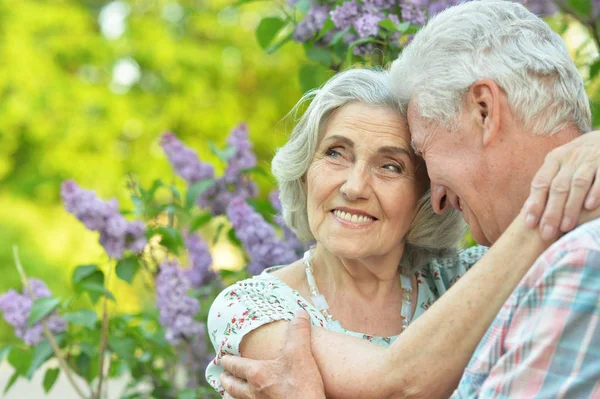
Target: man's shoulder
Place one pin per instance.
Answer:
(583, 239)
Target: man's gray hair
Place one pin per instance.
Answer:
(502, 41)
(430, 235)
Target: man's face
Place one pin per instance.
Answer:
(457, 169)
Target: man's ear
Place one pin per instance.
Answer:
(484, 102)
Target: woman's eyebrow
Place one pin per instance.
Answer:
(394, 150)
(343, 139)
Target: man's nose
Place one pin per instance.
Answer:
(439, 198)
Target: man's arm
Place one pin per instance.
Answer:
(548, 335)
(568, 182)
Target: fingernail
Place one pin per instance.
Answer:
(590, 203)
(530, 220)
(547, 232)
(301, 314)
(566, 224)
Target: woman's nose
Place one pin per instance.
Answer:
(439, 198)
(356, 185)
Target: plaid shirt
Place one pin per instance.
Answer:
(545, 342)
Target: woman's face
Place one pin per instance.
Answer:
(363, 185)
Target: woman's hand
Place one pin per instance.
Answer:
(567, 183)
(293, 375)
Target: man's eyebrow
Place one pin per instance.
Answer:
(415, 149)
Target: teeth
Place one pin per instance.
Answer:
(352, 218)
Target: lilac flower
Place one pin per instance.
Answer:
(412, 11)
(344, 15)
(244, 157)
(116, 233)
(291, 240)
(544, 8)
(16, 307)
(199, 272)
(258, 237)
(184, 160)
(368, 24)
(312, 22)
(377, 6)
(176, 308)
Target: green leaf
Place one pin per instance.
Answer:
(200, 221)
(318, 54)
(187, 394)
(96, 291)
(303, 6)
(594, 69)
(85, 318)
(41, 353)
(356, 43)
(267, 30)
(90, 279)
(20, 359)
(327, 27)
(338, 36)
(50, 378)
(582, 7)
(41, 308)
(5, 352)
(311, 76)
(83, 271)
(149, 195)
(233, 238)
(389, 25)
(223, 154)
(195, 190)
(170, 238)
(11, 382)
(127, 268)
(124, 347)
(274, 47)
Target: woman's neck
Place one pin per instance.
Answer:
(371, 279)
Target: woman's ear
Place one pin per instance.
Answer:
(484, 100)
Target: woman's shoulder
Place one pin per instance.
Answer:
(442, 273)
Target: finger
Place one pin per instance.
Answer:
(538, 195)
(299, 334)
(580, 186)
(557, 198)
(238, 366)
(235, 387)
(593, 198)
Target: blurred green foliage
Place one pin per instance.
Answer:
(64, 115)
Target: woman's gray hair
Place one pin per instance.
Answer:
(502, 41)
(430, 235)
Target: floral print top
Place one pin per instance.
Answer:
(252, 303)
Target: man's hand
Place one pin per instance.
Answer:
(568, 182)
(293, 375)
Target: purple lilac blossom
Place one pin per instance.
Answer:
(116, 233)
(544, 8)
(344, 15)
(312, 23)
(413, 11)
(176, 309)
(244, 157)
(291, 240)
(16, 307)
(258, 237)
(199, 271)
(184, 160)
(368, 24)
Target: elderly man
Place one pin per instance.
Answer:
(490, 93)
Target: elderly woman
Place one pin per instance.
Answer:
(350, 181)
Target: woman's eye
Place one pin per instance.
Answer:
(393, 168)
(332, 153)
